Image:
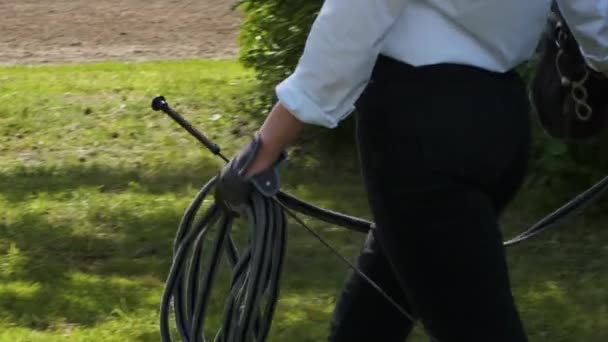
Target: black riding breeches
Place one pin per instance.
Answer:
(443, 150)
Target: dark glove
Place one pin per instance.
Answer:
(233, 188)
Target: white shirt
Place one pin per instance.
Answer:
(497, 35)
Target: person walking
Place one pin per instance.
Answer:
(443, 133)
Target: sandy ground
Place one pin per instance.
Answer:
(59, 31)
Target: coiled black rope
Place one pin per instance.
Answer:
(256, 271)
(254, 290)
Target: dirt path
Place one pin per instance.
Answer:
(58, 31)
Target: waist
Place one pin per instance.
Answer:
(388, 70)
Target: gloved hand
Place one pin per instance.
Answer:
(233, 188)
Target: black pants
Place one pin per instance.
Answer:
(443, 150)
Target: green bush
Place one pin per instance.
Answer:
(272, 39)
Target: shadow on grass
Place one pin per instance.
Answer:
(84, 266)
(556, 279)
(24, 184)
(51, 283)
(86, 277)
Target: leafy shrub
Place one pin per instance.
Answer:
(273, 35)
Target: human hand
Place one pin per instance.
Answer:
(255, 167)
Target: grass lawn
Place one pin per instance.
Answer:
(93, 185)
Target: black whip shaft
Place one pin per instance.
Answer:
(160, 104)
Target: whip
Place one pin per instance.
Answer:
(256, 269)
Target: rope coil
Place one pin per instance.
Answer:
(256, 271)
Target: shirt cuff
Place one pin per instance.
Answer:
(300, 105)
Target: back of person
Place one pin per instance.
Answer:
(348, 36)
(495, 35)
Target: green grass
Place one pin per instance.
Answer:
(93, 184)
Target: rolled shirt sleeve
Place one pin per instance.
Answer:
(588, 21)
(338, 58)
